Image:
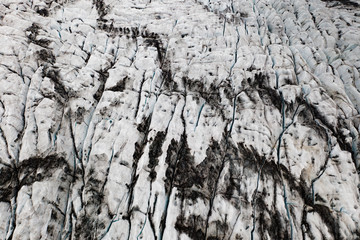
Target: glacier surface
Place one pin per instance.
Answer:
(179, 119)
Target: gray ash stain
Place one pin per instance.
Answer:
(103, 76)
(32, 33)
(155, 152)
(46, 55)
(185, 175)
(236, 172)
(347, 3)
(79, 115)
(171, 158)
(260, 84)
(101, 8)
(32, 170)
(42, 11)
(193, 226)
(157, 43)
(54, 75)
(120, 86)
(193, 181)
(211, 93)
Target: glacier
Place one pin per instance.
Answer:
(181, 119)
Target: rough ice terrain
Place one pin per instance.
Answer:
(179, 119)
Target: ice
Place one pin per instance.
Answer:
(185, 119)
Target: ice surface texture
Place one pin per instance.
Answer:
(179, 119)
